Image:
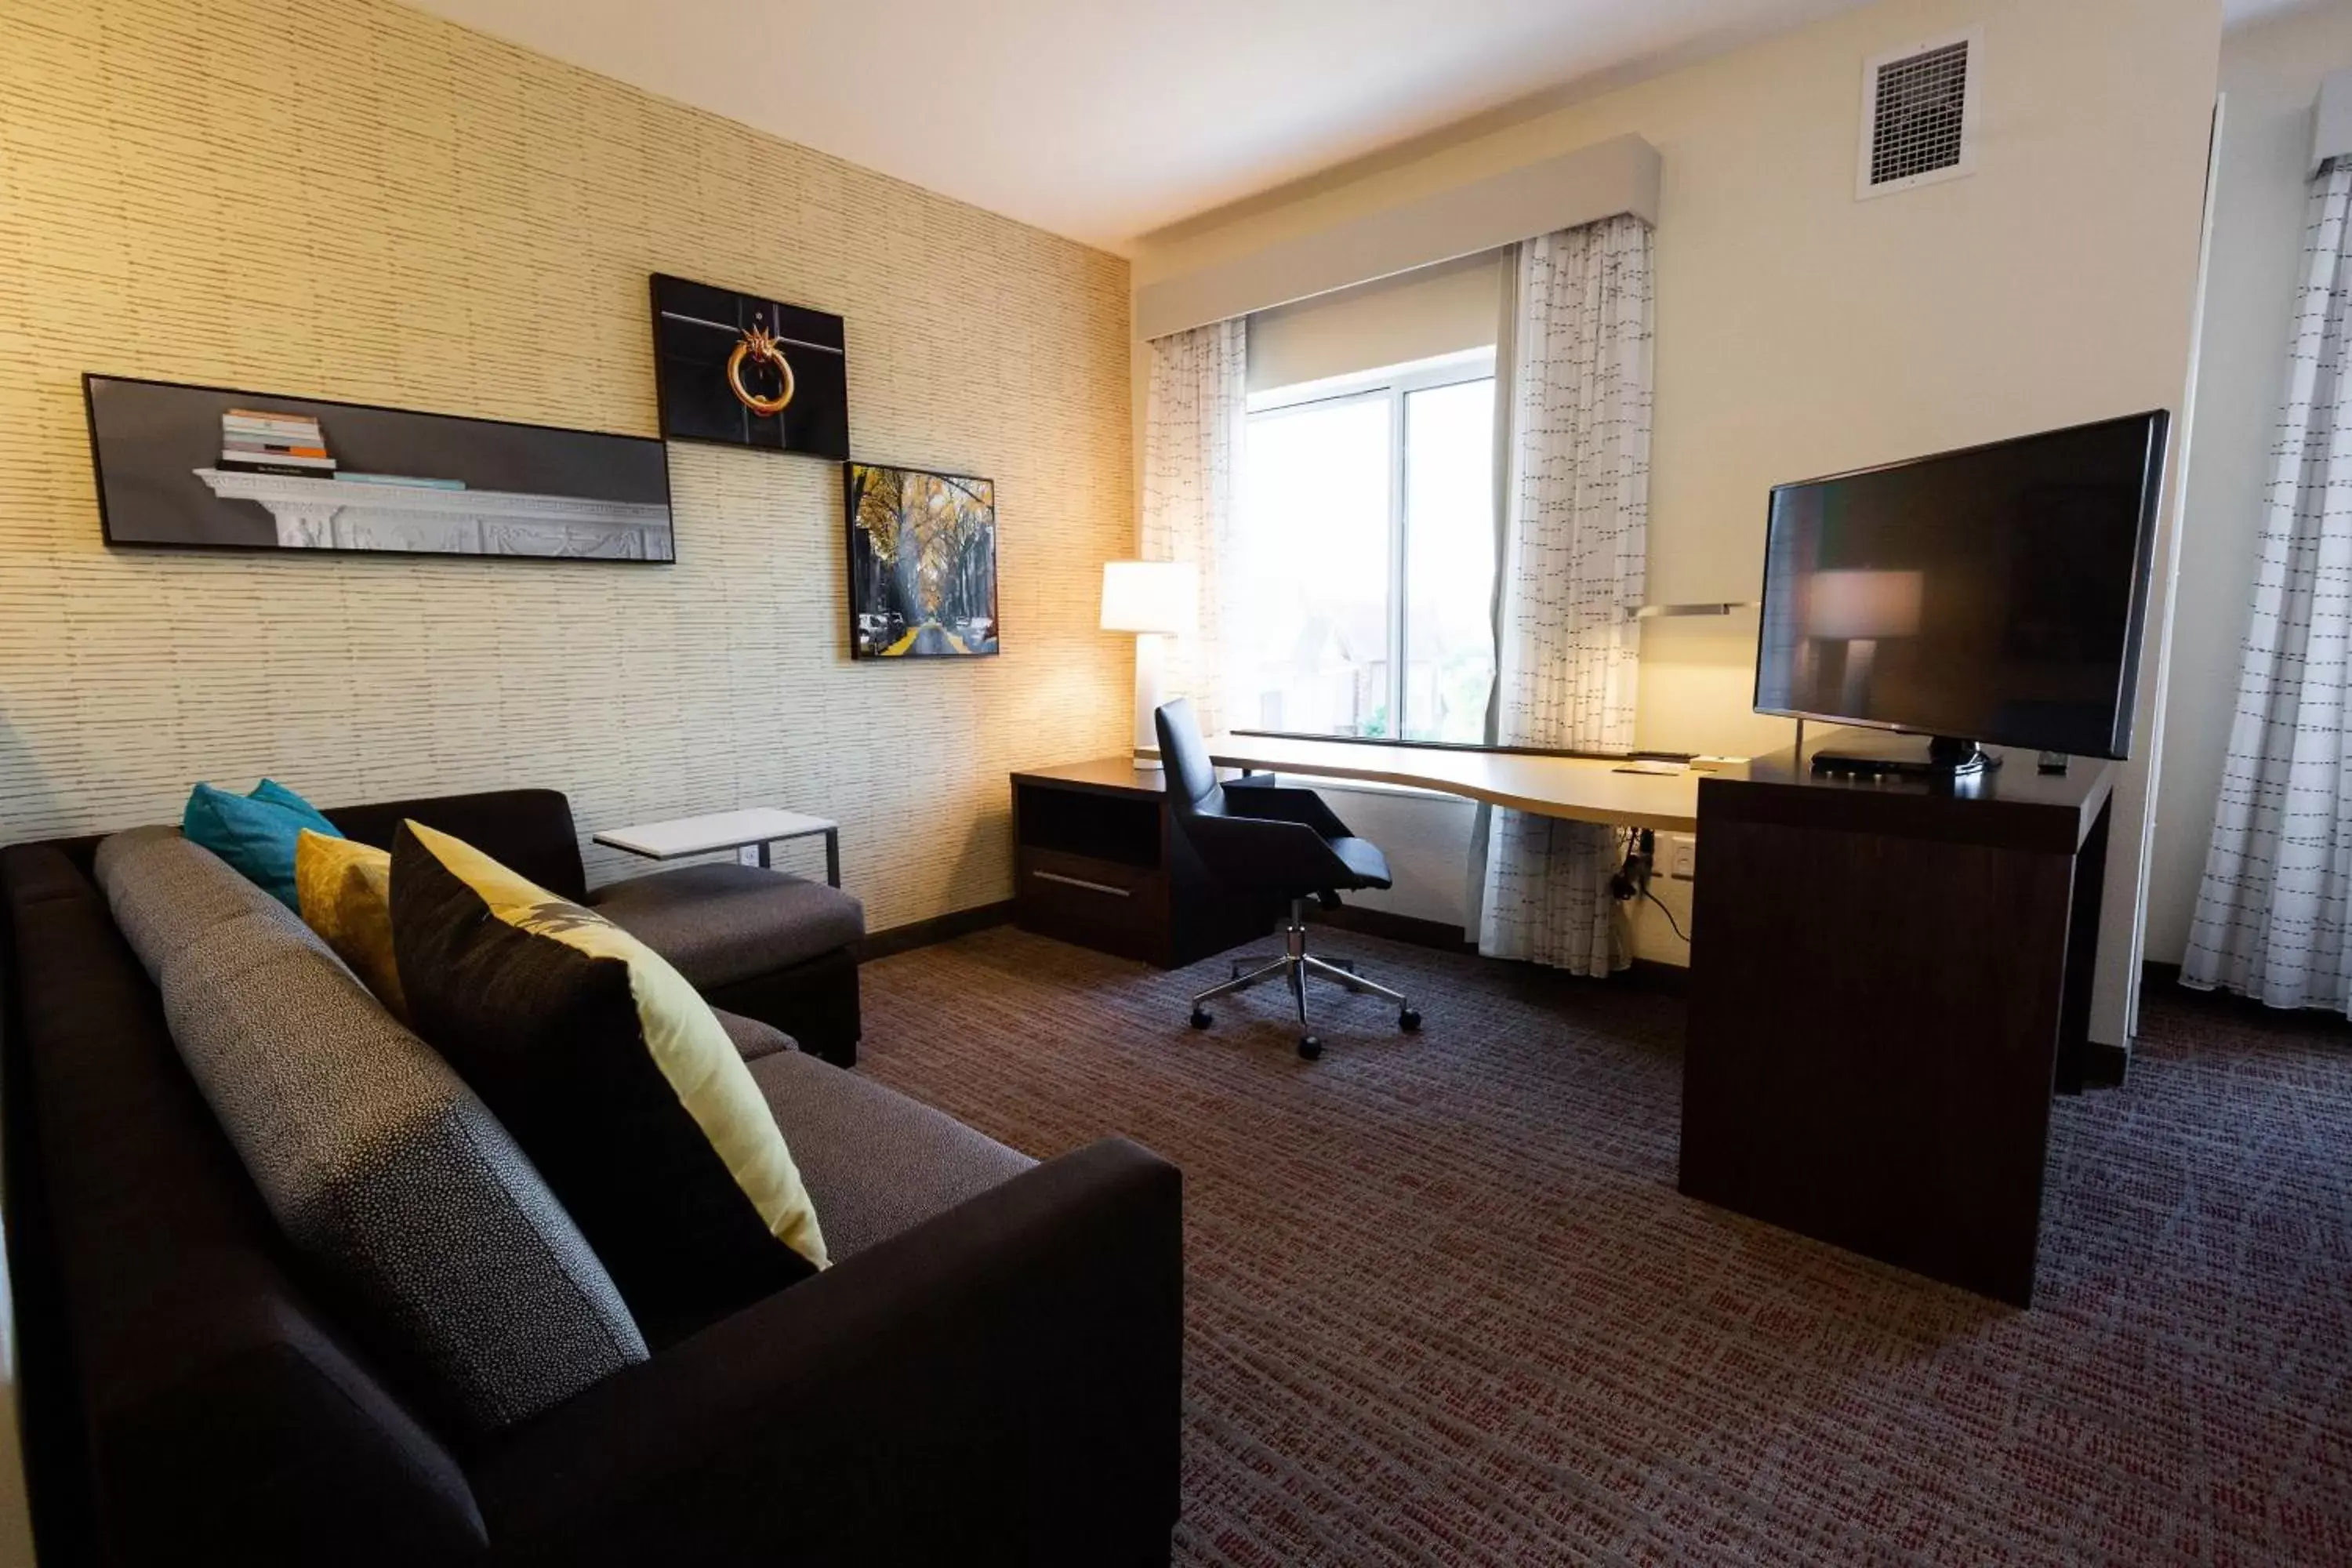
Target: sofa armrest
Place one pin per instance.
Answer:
(530, 831)
(1000, 1384)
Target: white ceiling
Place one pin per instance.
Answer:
(1104, 120)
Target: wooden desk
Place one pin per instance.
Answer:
(1098, 861)
(1888, 982)
(1582, 789)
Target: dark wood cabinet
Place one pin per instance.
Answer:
(1098, 861)
(1888, 982)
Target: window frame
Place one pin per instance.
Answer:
(1395, 383)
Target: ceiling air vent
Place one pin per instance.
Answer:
(1919, 115)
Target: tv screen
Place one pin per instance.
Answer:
(1994, 594)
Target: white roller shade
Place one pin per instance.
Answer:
(1439, 309)
(1620, 176)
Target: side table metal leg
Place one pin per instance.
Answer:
(833, 855)
(765, 859)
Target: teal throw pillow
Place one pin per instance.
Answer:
(256, 832)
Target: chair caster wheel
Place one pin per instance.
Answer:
(1310, 1047)
(1409, 1020)
(1202, 1018)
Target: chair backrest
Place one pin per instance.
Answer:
(1192, 787)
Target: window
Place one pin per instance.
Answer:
(1361, 602)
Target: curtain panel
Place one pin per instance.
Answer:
(1191, 467)
(1573, 575)
(2271, 913)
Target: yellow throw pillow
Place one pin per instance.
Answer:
(612, 1074)
(345, 891)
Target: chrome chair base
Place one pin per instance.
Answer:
(1293, 967)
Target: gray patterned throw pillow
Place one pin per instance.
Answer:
(375, 1159)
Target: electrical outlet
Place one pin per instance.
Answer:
(1682, 857)
(747, 855)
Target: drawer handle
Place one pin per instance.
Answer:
(1082, 882)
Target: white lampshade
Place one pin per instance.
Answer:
(1148, 596)
(1854, 605)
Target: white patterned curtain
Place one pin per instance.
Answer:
(1573, 575)
(2271, 913)
(1193, 438)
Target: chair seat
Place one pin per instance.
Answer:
(874, 1162)
(719, 924)
(1364, 859)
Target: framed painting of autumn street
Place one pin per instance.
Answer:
(922, 562)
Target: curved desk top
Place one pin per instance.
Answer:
(1582, 789)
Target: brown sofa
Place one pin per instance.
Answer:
(989, 1372)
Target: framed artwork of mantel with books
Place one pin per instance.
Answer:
(205, 467)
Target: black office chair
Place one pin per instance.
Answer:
(1260, 838)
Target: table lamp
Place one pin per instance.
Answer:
(1154, 600)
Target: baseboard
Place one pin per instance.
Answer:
(1411, 930)
(2243, 1010)
(937, 929)
(1647, 973)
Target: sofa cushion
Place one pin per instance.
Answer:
(165, 892)
(611, 1072)
(383, 1170)
(875, 1162)
(721, 924)
(752, 1039)
(345, 891)
(255, 833)
(181, 1372)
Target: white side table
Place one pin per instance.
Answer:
(761, 826)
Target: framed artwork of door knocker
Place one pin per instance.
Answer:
(747, 372)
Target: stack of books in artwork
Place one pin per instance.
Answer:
(256, 441)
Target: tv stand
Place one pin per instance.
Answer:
(1889, 978)
(1898, 756)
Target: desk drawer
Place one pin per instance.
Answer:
(1103, 904)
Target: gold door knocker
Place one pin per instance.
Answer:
(758, 345)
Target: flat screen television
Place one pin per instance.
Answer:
(1993, 595)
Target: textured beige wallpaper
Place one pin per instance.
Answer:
(353, 200)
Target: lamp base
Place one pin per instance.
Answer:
(1148, 686)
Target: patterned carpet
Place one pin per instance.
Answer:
(1445, 1305)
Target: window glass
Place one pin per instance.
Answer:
(1367, 533)
(1308, 609)
(1449, 571)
